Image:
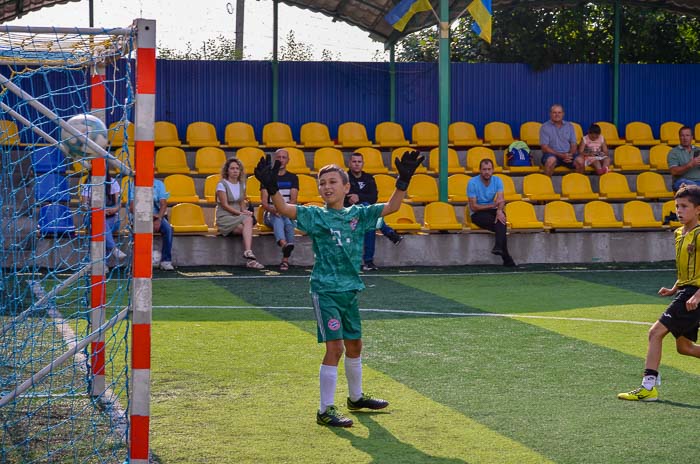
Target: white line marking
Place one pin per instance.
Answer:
(423, 313)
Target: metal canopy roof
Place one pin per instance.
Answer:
(13, 9)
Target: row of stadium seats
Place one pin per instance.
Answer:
(386, 134)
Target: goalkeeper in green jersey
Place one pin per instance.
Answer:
(337, 235)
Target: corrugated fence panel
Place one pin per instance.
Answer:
(658, 93)
(417, 94)
(333, 93)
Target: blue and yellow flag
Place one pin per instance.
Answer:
(402, 13)
(481, 12)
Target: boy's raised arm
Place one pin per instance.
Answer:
(406, 167)
(267, 176)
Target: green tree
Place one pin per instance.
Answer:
(219, 48)
(581, 33)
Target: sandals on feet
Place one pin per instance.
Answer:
(284, 266)
(252, 261)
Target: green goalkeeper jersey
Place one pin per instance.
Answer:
(337, 237)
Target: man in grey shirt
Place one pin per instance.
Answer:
(558, 142)
(684, 160)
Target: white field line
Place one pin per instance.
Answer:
(424, 313)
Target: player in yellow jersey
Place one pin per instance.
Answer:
(682, 316)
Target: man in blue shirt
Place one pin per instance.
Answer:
(486, 203)
(558, 142)
(160, 224)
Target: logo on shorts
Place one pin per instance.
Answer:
(353, 223)
(334, 324)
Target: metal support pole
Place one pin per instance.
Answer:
(444, 91)
(616, 66)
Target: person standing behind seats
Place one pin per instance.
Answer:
(486, 202)
(232, 215)
(282, 226)
(363, 191)
(558, 142)
(683, 162)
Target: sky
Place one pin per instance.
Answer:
(182, 21)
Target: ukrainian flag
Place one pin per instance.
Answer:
(481, 12)
(402, 13)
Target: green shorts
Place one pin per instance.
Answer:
(337, 316)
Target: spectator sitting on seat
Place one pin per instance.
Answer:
(363, 191)
(232, 215)
(486, 202)
(684, 160)
(595, 150)
(111, 208)
(282, 226)
(160, 224)
(558, 142)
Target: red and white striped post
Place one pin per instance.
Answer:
(98, 96)
(141, 299)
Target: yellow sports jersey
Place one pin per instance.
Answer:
(688, 257)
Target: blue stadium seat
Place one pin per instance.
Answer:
(55, 219)
(52, 188)
(48, 159)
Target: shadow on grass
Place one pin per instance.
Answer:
(383, 447)
(679, 405)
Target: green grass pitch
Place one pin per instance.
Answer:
(479, 367)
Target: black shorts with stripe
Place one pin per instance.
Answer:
(677, 319)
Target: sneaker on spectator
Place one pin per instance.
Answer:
(167, 266)
(369, 266)
(394, 237)
(118, 254)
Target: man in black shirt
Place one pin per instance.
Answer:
(363, 190)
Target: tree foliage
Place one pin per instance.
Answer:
(583, 33)
(219, 48)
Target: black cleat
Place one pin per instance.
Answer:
(367, 402)
(394, 237)
(333, 418)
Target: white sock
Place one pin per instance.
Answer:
(353, 372)
(328, 378)
(648, 381)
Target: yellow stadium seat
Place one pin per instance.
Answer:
(390, 134)
(521, 215)
(308, 189)
(250, 157)
(278, 135)
(468, 220)
(578, 131)
(210, 188)
(614, 186)
(609, 133)
(125, 156)
(127, 184)
(457, 187)
(658, 157)
(297, 161)
(668, 214)
(422, 189)
(463, 134)
(639, 133)
(530, 133)
(374, 163)
(171, 160)
(696, 132)
(651, 185)
(403, 220)
(188, 218)
(9, 133)
(115, 134)
(425, 134)
(165, 134)
(261, 226)
(575, 186)
(509, 192)
(239, 135)
(209, 160)
(453, 166)
(560, 215)
(315, 135)
(252, 189)
(474, 157)
(181, 189)
(600, 214)
(398, 153)
(353, 135)
(629, 158)
(498, 134)
(538, 187)
(385, 187)
(639, 214)
(440, 216)
(668, 133)
(202, 134)
(328, 155)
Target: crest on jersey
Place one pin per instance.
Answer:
(353, 223)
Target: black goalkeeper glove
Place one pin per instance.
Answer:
(407, 167)
(267, 175)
